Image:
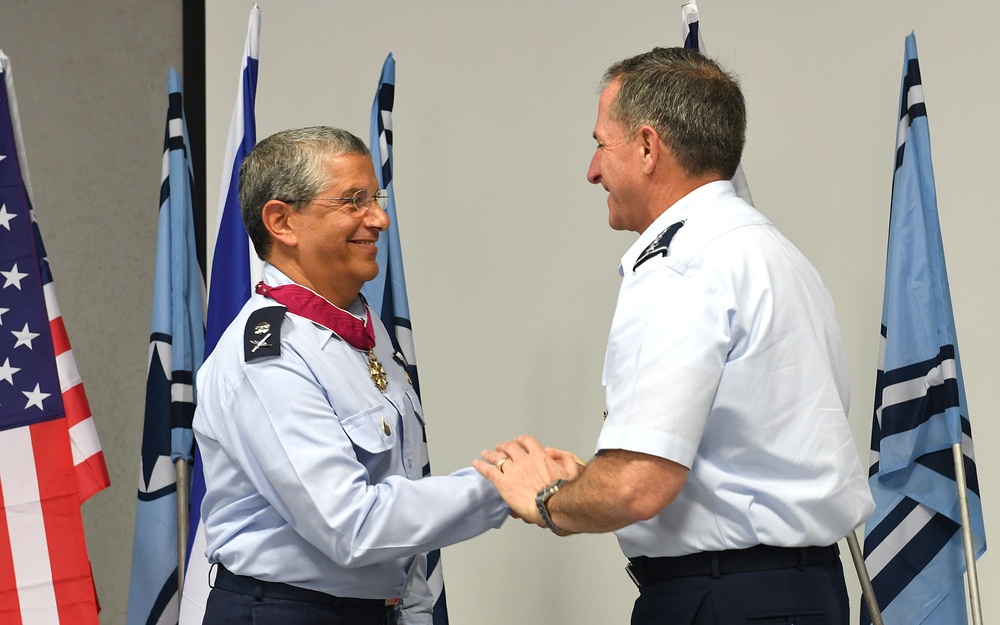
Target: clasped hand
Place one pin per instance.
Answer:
(520, 468)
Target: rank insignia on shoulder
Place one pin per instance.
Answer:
(660, 245)
(262, 335)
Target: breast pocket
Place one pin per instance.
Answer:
(369, 430)
(411, 396)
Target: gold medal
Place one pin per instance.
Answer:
(376, 371)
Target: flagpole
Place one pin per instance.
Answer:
(183, 503)
(867, 592)
(970, 556)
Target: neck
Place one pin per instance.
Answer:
(339, 295)
(672, 191)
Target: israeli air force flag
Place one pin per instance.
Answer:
(913, 542)
(176, 349)
(386, 294)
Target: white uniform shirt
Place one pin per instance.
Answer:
(313, 475)
(725, 356)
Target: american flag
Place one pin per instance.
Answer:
(50, 456)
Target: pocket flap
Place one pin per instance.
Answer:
(368, 431)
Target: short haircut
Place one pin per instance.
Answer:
(289, 166)
(695, 106)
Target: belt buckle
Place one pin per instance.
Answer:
(632, 576)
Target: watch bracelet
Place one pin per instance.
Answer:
(541, 501)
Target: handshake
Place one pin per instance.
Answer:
(526, 474)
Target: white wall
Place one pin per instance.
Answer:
(510, 264)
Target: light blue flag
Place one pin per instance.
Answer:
(691, 34)
(386, 294)
(913, 543)
(229, 290)
(176, 348)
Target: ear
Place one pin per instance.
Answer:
(278, 218)
(650, 148)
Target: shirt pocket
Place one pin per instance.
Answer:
(369, 431)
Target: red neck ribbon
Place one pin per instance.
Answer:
(305, 303)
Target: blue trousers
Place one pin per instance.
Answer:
(237, 600)
(810, 595)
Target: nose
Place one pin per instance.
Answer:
(594, 171)
(376, 217)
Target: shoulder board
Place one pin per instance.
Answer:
(660, 245)
(262, 336)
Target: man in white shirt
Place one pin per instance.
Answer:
(726, 465)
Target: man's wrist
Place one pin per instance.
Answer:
(541, 501)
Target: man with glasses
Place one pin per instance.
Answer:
(309, 429)
(726, 465)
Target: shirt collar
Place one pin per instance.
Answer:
(678, 211)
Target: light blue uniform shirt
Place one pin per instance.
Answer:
(725, 357)
(313, 476)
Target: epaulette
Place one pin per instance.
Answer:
(262, 336)
(660, 245)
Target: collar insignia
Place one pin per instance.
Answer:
(660, 245)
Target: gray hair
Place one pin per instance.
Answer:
(695, 106)
(289, 166)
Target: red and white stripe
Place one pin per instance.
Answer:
(45, 574)
(88, 458)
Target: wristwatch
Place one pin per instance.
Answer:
(541, 500)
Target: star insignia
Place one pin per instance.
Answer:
(13, 277)
(2, 311)
(24, 337)
(5, 217)
(35, 398)
(7, 372)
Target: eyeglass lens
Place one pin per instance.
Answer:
(362, 198)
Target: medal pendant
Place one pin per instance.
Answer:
(376, 371)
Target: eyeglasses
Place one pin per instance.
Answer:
(362, 199)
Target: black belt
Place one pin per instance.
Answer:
(244, 585)
(644, 570)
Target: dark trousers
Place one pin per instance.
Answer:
(238, 600)
(810, 594)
